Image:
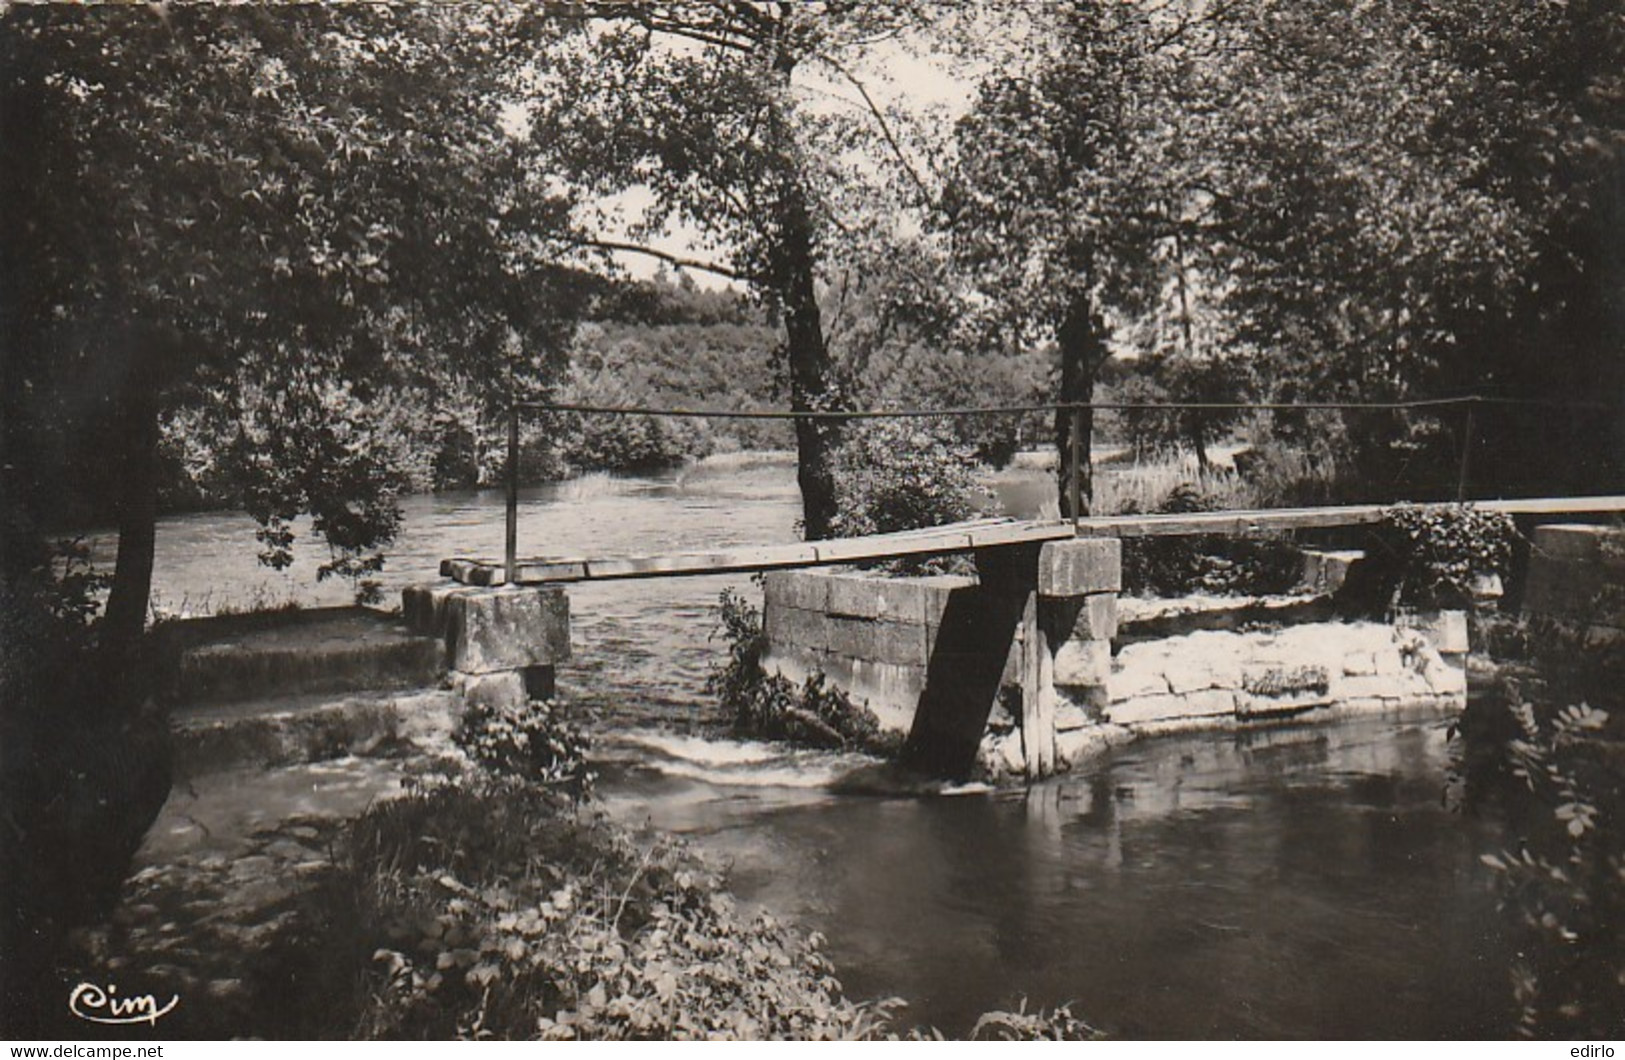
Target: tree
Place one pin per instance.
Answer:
(697, 103)
(1398, 202)
(1538, 101)
(1055, 205)
(275, 216)
(1367, 202)
(275, 222)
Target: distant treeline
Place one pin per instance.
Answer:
(660, 343)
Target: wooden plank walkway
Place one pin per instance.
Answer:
(1246, 523)
(969, 536)
(956, 537)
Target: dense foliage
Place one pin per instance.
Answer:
(1432, 558)
(1212, 563)
(499, 916)
(274, 231)
(903, 474)
(493, 906)
(1544, 755)
(533, 745)
(1562, 878)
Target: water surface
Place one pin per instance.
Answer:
(1287, 883)
(1291, 883)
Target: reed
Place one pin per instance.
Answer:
(1146, 485)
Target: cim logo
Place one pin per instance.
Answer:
(93, 1004)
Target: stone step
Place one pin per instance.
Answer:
(325, 650)
(286, 730)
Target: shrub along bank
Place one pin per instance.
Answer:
(496, 904)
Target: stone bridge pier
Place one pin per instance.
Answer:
(1027, 668)
(1011, 664)
(945, 660)
(1031, 667)
(502, 644)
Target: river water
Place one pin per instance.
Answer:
(1299, 882)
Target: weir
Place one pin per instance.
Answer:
(1018, 671)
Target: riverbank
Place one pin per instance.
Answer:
(420, 896)
(265, 891)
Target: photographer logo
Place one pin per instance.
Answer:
(95, 1005)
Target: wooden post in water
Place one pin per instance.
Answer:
(1037, 693)
(1074, 494)
(511, 537)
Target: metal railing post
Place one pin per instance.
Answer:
(511, 538)
(1074, 490)
(1466, 454)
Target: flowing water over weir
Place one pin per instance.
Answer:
(1279, 883)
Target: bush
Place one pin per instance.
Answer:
(606, 442)
(1545, 751)
(1057, 1025)
(1430, 558)
(770, 707)
(1445, 550)
(1564, 884)
(493, 908)
(496, 916)
(1212, 563)
(532, 744)
(895, 475)
(84, 769)
(1561, 872)
(923, 377)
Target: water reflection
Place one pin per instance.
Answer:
(1293, 883)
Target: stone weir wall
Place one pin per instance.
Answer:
(1015, 672)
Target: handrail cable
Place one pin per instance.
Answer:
(1066, 406)
(1075, 409)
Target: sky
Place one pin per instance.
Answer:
(894, 75)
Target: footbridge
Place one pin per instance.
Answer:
(970, 536)
(1021, 655)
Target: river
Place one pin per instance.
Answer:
(1288, 883)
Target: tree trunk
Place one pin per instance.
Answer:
(1198, 437)
(811, 370)
(1082, 342)
(131, 592)
(795, 280)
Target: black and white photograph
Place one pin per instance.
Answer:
(812, 520)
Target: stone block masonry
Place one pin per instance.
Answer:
(874, 637)
(1015, 672)
(502, 644)
(1069, 569)
(1297, 672)
(938, 658)
(1577, 579)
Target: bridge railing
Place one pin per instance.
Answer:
(1073, 410)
